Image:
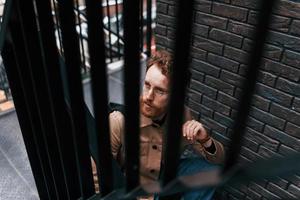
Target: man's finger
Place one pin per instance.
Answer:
(197, 130)
(184, 128)
(193, 126)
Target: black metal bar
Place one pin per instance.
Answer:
(72, 61)
(132, 80)
(33, 50)
(118, 28)
(259, 170)
(179, 80)
(100, 95)
(57, 26)
(242, 174)
(249, 84)
(105, 28)
(78, 13)
(23, 75)
(141, 26)
(109, 29)
(149, 27)
(26, 125)
(60, 110)
(5, 20)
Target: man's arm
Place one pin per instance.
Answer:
(195, 134)
(116, 123)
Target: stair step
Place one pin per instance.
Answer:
(6, 106)
(2, 96)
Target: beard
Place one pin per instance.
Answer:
(151, 111)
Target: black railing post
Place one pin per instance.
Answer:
(36, 62)
(141, 26)
(249, 84)
(100, 95)
(78, 13)
(109, 29)
(44, 185)
(179, 80)
(57, 25)
(118, 27)
(149, 27)
(62, 119)
(73, 69)
(131, 87)
(22, 84)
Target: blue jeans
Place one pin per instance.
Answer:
(189, 166)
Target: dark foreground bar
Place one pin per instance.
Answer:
(99, 86)
(73, 69)
(179, 82)
(61, 116)
(249, 84)
(47, 92)
(132, 93)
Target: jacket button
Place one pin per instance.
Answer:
(154, 147)
(152, 171)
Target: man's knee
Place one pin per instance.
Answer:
(189, 166)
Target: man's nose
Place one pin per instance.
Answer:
(150, 95)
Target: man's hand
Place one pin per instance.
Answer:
(194, 131)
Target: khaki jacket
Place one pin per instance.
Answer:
(151, 135)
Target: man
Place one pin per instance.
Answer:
(199, 150)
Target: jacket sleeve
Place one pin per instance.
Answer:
(116, 120)
(217, 157)
(116, 123)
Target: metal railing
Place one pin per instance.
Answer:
(59, 132)
(4, 87)
(113, 28)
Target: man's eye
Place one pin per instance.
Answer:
(160, 92)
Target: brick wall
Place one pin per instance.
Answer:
(221, 41)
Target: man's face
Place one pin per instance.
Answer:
(154, 99)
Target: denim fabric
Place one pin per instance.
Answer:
(192, 165)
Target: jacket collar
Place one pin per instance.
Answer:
(145, 121)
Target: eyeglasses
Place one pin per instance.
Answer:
(156, 91)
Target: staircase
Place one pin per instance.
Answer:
(5, 105)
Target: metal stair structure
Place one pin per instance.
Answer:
(60, 134)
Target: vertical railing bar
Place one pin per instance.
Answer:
(61, 116)
(149, 26)
(72, 61)
(2, 81)
(249, 84)
(100, 94)
(25, 121)
(30, 100)
(132, 80)
(118, 28)
(141, 26)
(5, 20)
(109, 29)
(80, 36)
(36, 63)
(57, 26)
(179, 80)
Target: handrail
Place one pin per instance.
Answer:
(252, 172)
